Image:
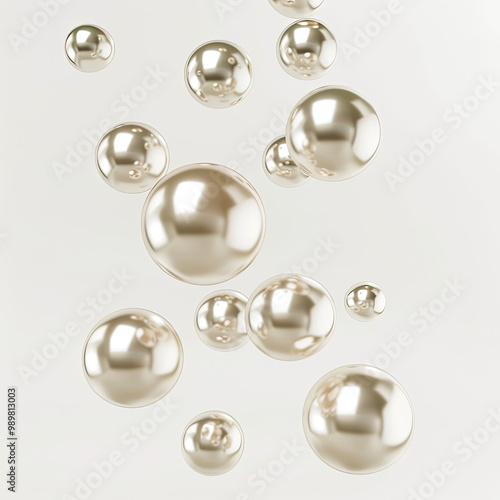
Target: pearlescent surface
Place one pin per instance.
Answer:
(89, 48)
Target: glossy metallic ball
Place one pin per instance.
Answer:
(132, 358)
(203, 224)
(358, 419)
(220, 320)
(365, 301)
(333, 134)
(280, 168)
(212, 443)
(306, 49)
(89, 48)
(219, 74)
(132, 157)
(290, 317)
(296, 8)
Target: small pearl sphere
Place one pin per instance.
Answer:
(365, 301)
(212, 443)
(219, 74)
(333, 133)
(132, 358)
(220, 320)
(280, 168)
(358, 419)
(132, 157)
(306, 49)
(203, 224)
(296, 8)
(89, 48)
(290, 317)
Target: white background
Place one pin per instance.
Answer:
(62, 239)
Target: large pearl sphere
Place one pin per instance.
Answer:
(358, 419)
(306, 49)
(296, 8)
(333, 133)
(220, 320)
(365, 301)
(132, 157)
(219, 74)
(290, 317)
(203, 224)
(89, 48)
(132, 358)
(280, 168)
(212, 443)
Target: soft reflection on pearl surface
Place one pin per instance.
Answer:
(89, 48)
(290, 317)
(333, 133)
(203, 223)
(219, 74)
(296, 8)
(280, 168)
(365, 301)
(212, 443)
(220, 320)
(132, 358)
(358, 419)
(306, 49)
(132, 157)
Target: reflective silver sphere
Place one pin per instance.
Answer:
(132, 358)
(212, 443)
(132, 157)
(365, 301)
(203, 224)
(296, 8)
(333, 134)
(290, 317)
(220, 320)
(358, 419)
(306, 49)
(89, 48)
(280, 168)
(219, 74)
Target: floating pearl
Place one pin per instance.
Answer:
(290, 317)
(219, 74)
(220, 320)
(203, 224)
(212, 443)
(132, 157)
(296, 8)
(280, 168)
(333, 134)
(132, 358)
(306, 49)
(365, 301)
(358, 419)
(89, 48)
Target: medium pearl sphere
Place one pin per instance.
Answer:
(132, 358)
(358, 419)
(132, 157)
(296, 8)
(89, 48)
(212, 443)
(333, 134)
(365, 301)
(307, 49)
(219, 74)
(280, 168)
(203, 224)
(290, 317)
(220, 320)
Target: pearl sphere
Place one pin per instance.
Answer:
(365, 301)
(296, 8)
(89, 48)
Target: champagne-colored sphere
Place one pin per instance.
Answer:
(296, 8)
(365, 301)
(89, 48)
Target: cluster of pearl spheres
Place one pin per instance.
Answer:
(204, 224)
